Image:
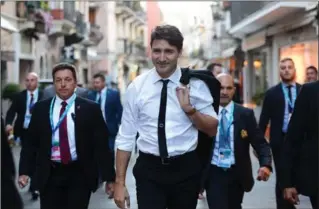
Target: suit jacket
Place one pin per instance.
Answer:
(113, 109)
(300, 150)
(91, 137)
(49, 92)
(18, 107)
(273, 111)
(246, 133)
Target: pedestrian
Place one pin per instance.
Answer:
(68, 141)
(110, 104)
(311, 74)
(10, 197)
(300, 150)
(230, 173)
(22, 106)
(167, 117)
(278, 106)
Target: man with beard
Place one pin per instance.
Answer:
(311, 74)
(277, 108)
(167, 117)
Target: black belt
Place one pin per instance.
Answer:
(71, 164)
(168, 160)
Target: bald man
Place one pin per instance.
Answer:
(230, 173)
(21, 108)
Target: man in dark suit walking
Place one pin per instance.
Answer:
(300, 150)
(68, 141)
(111, 107)
(277, 108)
(230, 172)
(22, 106)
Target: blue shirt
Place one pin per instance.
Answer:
(293, 90)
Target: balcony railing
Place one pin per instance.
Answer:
(122, 46)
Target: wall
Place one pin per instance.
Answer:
(153, 19)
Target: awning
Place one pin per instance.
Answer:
(265, 16)
(229, 52)
(5, 24)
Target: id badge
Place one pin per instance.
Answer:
(55, 151)
(224, 158)
(27, 120)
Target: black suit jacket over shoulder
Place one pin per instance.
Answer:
(246, 133)
(91, 139)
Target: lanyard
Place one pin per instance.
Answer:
(230, 122)
(62, 116)
(290, 103)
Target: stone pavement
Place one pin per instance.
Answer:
(261, 197)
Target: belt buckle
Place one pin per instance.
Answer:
(165, 161)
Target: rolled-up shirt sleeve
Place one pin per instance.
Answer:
(201, 98)
(126, 136)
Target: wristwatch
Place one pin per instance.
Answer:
(191, 112)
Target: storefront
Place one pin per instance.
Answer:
(302, 46)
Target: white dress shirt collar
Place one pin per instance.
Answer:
(58, 100)
(35, 92)
(175, 77)
(227, 107)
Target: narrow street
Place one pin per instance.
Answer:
(261, 197)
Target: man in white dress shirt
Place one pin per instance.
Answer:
(167, 117)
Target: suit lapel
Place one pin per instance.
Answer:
(78, 115)
(236, 122)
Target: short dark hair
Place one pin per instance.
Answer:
(311, 67)
(169, 33)
(287, 59)
(99, 75)
(63, 66)
(211, 67)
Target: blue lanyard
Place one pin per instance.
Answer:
(62, 116)
(230, 122)
(290, 103)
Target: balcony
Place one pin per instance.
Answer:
(131, 11)
(95, 35)
(33, 17)
(63, 19)
(122, 46)
(80, 30)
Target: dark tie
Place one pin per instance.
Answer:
(63, 134)
(290, 98)
(31, 103)
(161, 122)
(223, 141)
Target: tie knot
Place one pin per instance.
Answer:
(289, 86)
(31, 94)
(165, 82)
(224, 111)
(64, 104)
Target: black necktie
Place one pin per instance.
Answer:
(161, 122)
(290, 99)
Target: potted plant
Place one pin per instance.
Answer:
(10, 90)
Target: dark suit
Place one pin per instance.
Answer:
(10, 197)
(273, 111)
(300, 150)
(225, 188)
(18, 107)
(77, 180)
(113, 112)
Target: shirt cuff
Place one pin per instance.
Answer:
(125, 143)
(209, 110)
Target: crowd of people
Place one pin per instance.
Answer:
(73, 139)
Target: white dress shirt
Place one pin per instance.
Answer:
(141, 111)
(103, 95)
(27, 116)
(70, 126)
(228, 108)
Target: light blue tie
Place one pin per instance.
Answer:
(223, 141)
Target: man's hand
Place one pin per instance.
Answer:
(121, 196)
(263, 174)
(9, 128)
(183, 98)
(109, 189)
(23, 181)
(291, 195)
